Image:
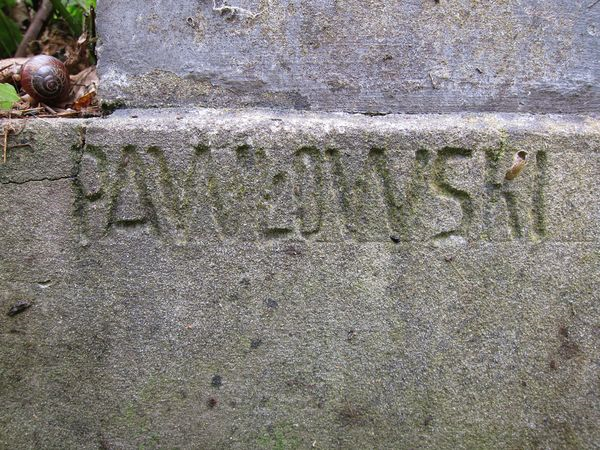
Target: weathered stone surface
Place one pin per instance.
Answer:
(353, 55)
(211, 279)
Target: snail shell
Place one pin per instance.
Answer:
(45, 79)
(519, 162)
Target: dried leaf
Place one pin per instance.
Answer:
(84, 101)
(84, 82)
(10, 67)
(83, 39)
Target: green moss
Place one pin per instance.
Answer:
(496, 154)
(281, 437)
(109, 107)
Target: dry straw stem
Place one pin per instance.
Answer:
(7, 129)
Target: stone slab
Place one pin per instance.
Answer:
(419, 56)
(219, 279)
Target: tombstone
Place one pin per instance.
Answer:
(423, 56)
(234, 273)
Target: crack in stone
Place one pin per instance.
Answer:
(38, 180)
(76, 169)
(79, 149)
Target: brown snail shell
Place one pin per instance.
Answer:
(45, 79)
(519, 162)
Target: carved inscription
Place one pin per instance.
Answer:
(317, 194)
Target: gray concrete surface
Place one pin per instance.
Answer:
(414, 56)
(219, 279)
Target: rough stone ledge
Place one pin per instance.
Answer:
(255, 279)
(192, 175)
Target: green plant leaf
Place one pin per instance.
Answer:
(8, 96)
(7, 3)
(72, 22)
(10, 36)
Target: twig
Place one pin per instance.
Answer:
(20, 112)
(34, 29)
(594, 4)
(26, 111)
(20, 146)
(50, 110)
(68, 113)
(7, 129)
